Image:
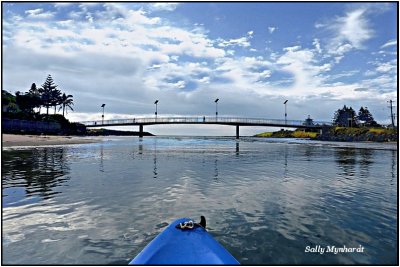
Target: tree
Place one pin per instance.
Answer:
(345, 117)
(8, 102)
(56, 99)
(48, 94)
(365, 117)
(34, 93)
(25, 102)
(66, 102)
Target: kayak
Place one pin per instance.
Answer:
(184, 242)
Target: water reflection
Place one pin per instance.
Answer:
(346, 160)
(265, 206)
(366, 159)
(39, 171)
(102, 158)
(155, 159)
(394, 167)
(216, 169)
(285, 169)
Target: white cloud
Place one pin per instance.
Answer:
(39, 14)
(242, 41)
(386, 67)
(272, 29)
(350, 32)
(132, 57)
(164, 6)
(389, 43)
(354, 28)
(317, 45)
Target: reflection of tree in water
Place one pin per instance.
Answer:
(394, 167)
(346, 159)
(366, 159)
(38, 170)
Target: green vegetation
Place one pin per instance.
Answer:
(288, 134)
(30, 103)
(349, 134)
(347, 117)
(348, 126)
(27, 106)
(362, 130)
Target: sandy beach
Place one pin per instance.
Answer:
(11, 140)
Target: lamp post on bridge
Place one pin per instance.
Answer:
(102, 116)
(285, 103)
(156, 102)
(216, 108)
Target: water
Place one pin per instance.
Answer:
(265, 200)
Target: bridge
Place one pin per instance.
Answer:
(233, 121)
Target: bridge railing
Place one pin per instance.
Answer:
(202, 120)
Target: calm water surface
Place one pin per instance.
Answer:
(265, 200)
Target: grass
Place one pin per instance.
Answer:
(336, 131)
(301, 134)
(288, 134)
(266, 134)
(363, 130)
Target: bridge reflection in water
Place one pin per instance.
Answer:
(233, 121)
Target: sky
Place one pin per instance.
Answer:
(252, 56)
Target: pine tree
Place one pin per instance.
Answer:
(48, 94)
(365, 117)
(345, 117)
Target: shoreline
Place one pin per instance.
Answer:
(16, 140)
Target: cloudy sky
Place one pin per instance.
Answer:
(252, 56)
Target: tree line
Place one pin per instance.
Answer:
(47, 96)
(347, 117)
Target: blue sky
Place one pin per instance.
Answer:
(253, 56)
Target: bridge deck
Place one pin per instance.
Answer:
(235, 121)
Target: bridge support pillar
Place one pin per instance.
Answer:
(141, 130)
(237, 131)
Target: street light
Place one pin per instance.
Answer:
(216, 108)
(285, 111)
(102, 116)
(156, 102)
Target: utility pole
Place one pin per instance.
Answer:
(391, 112)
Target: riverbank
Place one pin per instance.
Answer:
(339, 134)
(288, 134)
(11, 140)
(361, 134)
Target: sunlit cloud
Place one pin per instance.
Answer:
(134, 53)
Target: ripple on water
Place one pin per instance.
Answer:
(264, 201)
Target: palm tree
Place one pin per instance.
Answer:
(66, 102)
(55, 99)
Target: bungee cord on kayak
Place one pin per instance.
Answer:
(190, 224)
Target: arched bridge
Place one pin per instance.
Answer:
(233, 121)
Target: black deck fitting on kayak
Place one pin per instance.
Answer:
(191, 225)
(203, 221)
